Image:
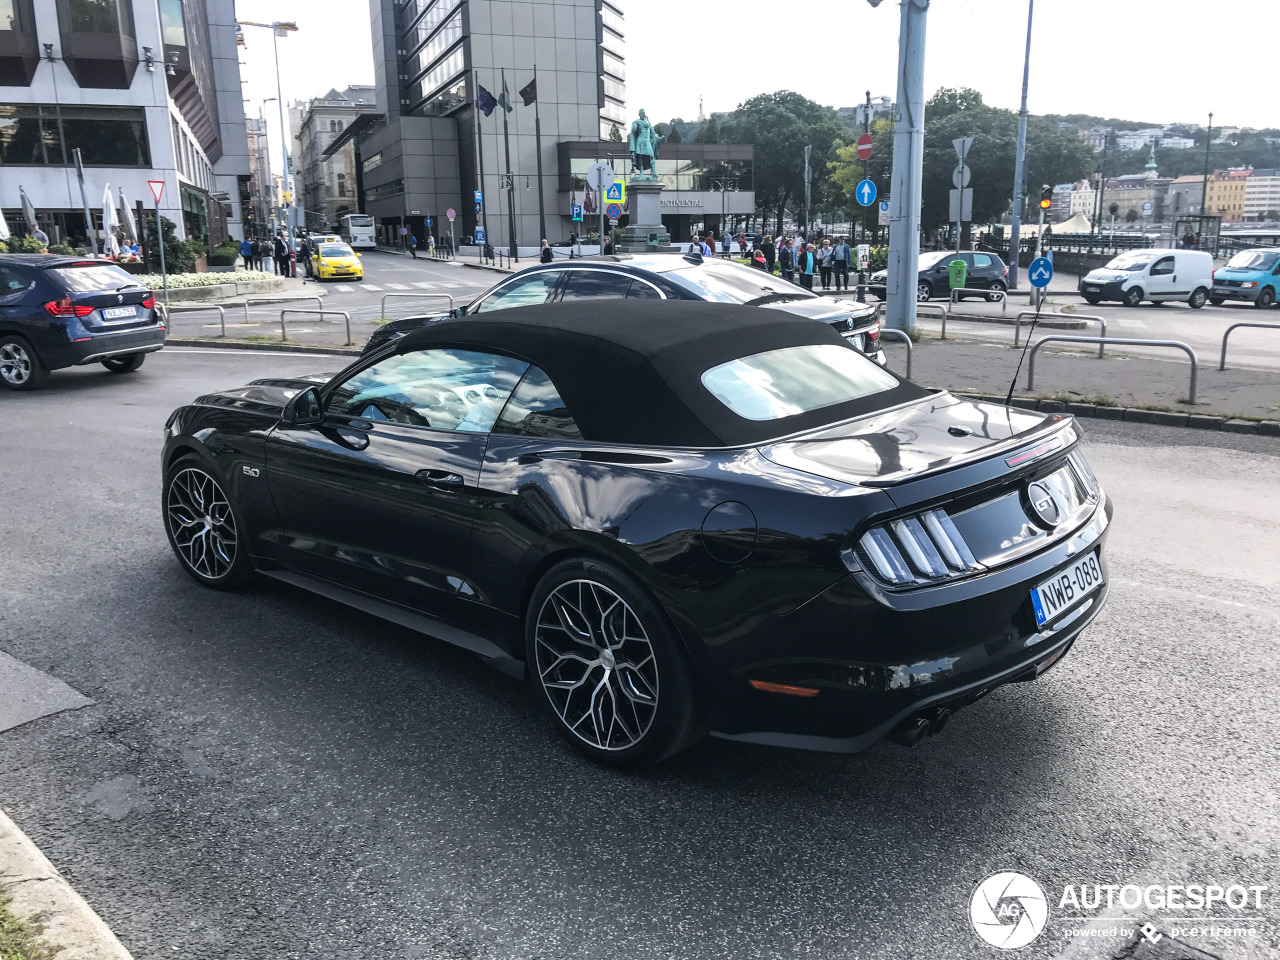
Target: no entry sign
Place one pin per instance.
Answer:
(864, 146)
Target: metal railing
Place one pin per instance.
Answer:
(382, 310)
(321, 313)
(1222, 362)
(882, 308)
(1102, 321)
(222, 313)
(1003, 296)
(899, 335)
(1123, 341)
(319, 303)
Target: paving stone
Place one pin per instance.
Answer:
(1170, 418)
(1052, 406)
(1269, 428)
(1240, 426)
(1205, 422)
(1133, 415)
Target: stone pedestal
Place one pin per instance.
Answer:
(646, 234)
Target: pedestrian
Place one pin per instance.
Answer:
(806, 263)
(305, 251)
(413, 245)
(742, 243)
(770, 252)
(787, 259)
(608, 245)
(709, 245)
(724, 246)
(246, 251)
(546, 254)
(757, 259)
(841, 260)
(824, 263)
(281, 251)
(431, 243)
(448, 245)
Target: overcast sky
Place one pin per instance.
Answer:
(1163, 61)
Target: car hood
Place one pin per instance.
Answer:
(267, 396)
(928, 436)
(1106, 276)
(822, 308)
(1225, 274)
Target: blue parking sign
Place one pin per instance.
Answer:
(479, 234)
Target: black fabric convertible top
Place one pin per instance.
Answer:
(630, 371)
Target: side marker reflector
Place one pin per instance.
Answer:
(768, 687)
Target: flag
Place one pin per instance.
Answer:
(485, 101)
(504, 98)
(529, 93)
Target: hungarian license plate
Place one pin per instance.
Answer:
(1066, 588)
(1089, 289)
(116, 313)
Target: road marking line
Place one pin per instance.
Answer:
(424, 286)
(397, 286)
(370, 286)
(344, 288)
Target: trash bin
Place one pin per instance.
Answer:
(959, 273)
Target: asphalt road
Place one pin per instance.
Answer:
(266, 774)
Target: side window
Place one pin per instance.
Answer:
(639, 290)
(444, 389)
(521, 293)
(1162, 267)
(1276, 271)
(536, 410)
(12, 281)
(594, 285)
(982, 259)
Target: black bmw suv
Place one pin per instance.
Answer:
(58, 311)
(658, 277)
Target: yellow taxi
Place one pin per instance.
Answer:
(334, 260)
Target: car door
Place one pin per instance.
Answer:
(13, 287)
(1162, 278)
(605, 285)
(520, 291)
(381, 495)
(981, 270)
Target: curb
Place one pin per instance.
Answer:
(271, 347)
(485, 266)
(42, 898)
(1166, 418)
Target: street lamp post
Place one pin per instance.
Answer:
(1204, 191)
(1020, 162)
(723, 184)
(280, 28)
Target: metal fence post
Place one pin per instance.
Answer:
(1120, 341)
(1222, 362)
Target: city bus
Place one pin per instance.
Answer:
(357, 230)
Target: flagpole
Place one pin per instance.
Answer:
(537, 129)
(479, 161)
(511, 194)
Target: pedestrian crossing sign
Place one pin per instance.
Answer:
(616, 192)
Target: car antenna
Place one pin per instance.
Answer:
(1014, 382)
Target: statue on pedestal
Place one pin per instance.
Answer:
(645, 144)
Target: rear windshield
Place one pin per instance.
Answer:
(782, 383)
(729, 283)
(92, 278)
(1253, 260)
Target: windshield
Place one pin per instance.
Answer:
(335, 250)
(1254, 260)
(1137, 260)
(93, 278)
(782, 383)
(729, 283)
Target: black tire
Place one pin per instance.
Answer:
(1217, 301)
(125, 364)
(1197, 299)
(1132, 297)
(996, 288)
(20, 365)
(221, 561)
(566, 614)
(1266, 297)
(924, 291)
(1091, 298)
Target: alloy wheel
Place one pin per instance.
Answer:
(923, 292)
(201, 523)
(596, 664)
(15, 364)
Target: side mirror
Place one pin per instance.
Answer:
(359, 256)
(304, 410)
(458, 311)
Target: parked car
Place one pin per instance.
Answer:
(59, 311)
(667, 517)
(1155, 274)
(986, 271)
(657, 277)
(335, 261)
(1251, 275)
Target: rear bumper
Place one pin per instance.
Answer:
(101, 346)
(876, 666)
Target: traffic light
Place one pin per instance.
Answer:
(1046, 197)
(286, 197)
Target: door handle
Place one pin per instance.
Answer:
(441, 479)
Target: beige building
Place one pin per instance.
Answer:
(1226, 194)
(326, 189)
(1262, 196)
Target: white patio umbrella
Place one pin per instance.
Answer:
(4, 227)
(28, 210)
(110, 224)
(127, 223)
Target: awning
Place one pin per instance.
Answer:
(357, 126)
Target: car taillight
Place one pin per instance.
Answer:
(150, 301)
(874, 333)
(1006, 271)
(65, 308)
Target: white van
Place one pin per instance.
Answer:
(1153, 274)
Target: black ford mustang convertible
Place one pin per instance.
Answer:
(671, 517)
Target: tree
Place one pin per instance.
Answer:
(779, 126)
(846, 172)
(179, 255)
(1131, 215)
(710, 133)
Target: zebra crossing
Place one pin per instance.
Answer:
(421, 285)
